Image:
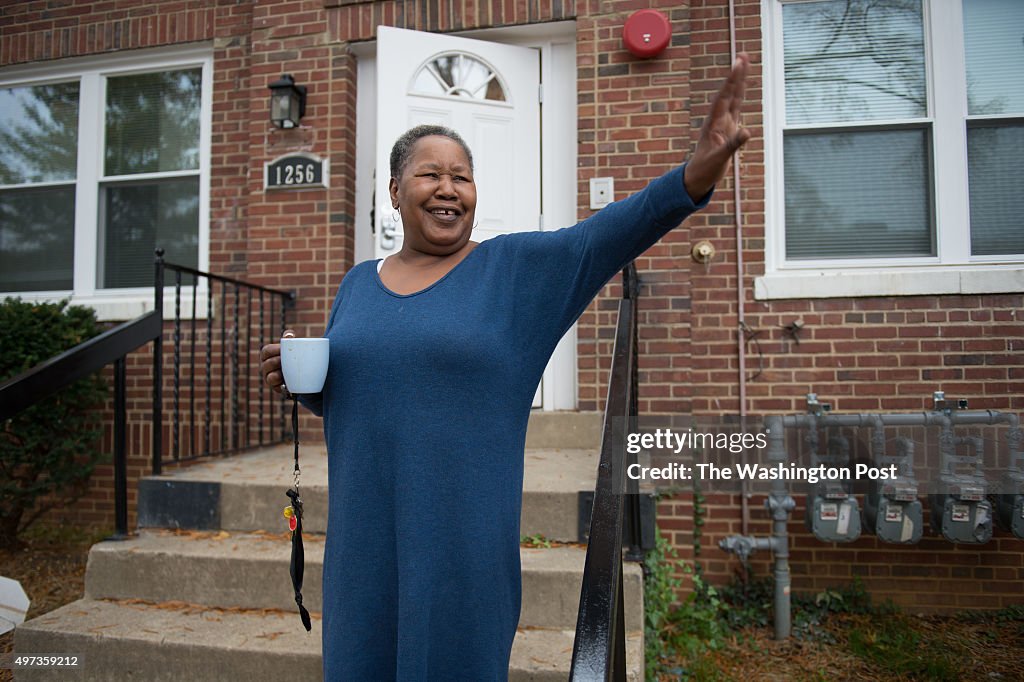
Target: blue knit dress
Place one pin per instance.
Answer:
(425, 411)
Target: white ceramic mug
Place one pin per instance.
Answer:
(304, 363)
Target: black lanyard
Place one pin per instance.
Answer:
(298, 556)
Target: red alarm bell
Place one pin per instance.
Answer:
(646, 33)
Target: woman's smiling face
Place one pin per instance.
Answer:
(436, 196)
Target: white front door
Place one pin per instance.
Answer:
(489, 94)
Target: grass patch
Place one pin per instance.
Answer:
(536, 541)
(39, 535)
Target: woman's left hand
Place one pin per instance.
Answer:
(720, 136)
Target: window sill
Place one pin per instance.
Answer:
(891, 282)
(125, 305)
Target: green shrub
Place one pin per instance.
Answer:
(660, 587)
(50, 448)
(679, 633)
(750, 600)
(700, 622)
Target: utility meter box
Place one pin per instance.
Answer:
(894, 513)
(891, 507)
(835, 518)
(833, 514)
(961, 511)
(1010, 503)
(960, 508)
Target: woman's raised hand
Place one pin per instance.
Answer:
(720, 136)
(270, 363)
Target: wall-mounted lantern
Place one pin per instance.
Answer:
(287, 102)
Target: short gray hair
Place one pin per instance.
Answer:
(402, 149)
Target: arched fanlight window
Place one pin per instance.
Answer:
(456, 74)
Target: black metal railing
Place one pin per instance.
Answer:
(223, 430)
(47, 378)
(617, 518)
(217, 414)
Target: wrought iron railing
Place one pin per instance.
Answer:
(239, 319)
(617, 518)
(223, 431)
(46, 378)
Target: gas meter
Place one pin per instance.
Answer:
(891, 507)
(833, 514)
(960, 509)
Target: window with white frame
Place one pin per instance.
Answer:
(101, 162)
(895, 134)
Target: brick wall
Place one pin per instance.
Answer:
(634, 122)
(862, 355)
(636, 119)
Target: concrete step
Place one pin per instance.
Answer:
(552, 578)
(126, 640)
(250, 570)
(545, 655)
(237, 570)
(240, 493)
(553, 480)
(171, 642)
(564, 430)
(246, 492)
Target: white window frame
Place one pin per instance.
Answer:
(91, 74)
(953, 270)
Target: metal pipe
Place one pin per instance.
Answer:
(979, 451)
(1014, 437)
(905, 451)
(812, 421)
(741, 340)
(947, 448)
(983, 417)
(878, 439)
(780, 505)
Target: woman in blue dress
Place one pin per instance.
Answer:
(436, 352)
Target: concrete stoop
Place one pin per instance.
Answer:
(174, 641)
(206, 595)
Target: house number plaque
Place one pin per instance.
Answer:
(296, 171)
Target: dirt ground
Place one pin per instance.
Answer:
(51, 568)
(935, 648)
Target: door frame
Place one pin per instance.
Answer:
(557, 44)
